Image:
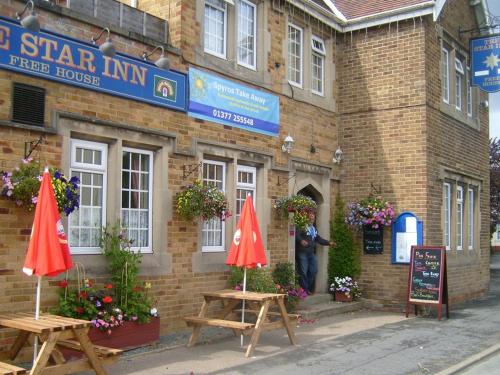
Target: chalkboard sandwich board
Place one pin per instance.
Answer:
(427, 284)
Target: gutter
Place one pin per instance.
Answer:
(337, 20)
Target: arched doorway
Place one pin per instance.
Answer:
(322, 222)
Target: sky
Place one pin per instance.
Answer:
(494, 7)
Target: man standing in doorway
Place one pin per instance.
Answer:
(305, 253)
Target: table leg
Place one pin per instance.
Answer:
(88, 348)
(286, 321)
(258, 328)
(44, 354)
(21, 339)
(197, 327)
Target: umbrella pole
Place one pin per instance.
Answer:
(243, 309)
(37, 316)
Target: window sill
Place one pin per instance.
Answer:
(460, 116)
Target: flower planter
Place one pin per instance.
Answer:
(342, 297)
(130, 335)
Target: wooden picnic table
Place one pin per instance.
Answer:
(54, 332)
(256, 303)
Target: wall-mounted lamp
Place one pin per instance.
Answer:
(29, 22)
(484, 103)
(287, 144)
(162, 62)
(107, 48)
(337, 158)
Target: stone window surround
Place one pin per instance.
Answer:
(233, 157)
(158, 262)
(305, 93)
(457, 50)
(455, 179)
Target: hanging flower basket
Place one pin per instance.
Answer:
(374, 212)
(205, 201)
(22, 185)
(298, 205)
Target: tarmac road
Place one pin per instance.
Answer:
(361, 343)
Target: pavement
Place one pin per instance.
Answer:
(363, 342)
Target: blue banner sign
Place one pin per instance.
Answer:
(219, 100)
(76, 63)
(485, 61)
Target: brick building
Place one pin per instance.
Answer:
(387, 84)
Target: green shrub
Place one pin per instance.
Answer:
(258, 280)
(343, 259)
(284, 274)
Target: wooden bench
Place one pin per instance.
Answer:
(101, 351)
(269, 313)
(8, 369)
(239, 326)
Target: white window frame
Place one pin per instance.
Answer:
(224, 40)
(221, 247)
(91, 168)
(300, 57)
(318, 52)
(471, 224)
(459, 79)
(445, 74)
(469, 93)
(498, 231)
(447, 215)
(460, 217)
(246, 186)
(254, 34)
(149, 248)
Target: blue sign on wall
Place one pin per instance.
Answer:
(407, 230)
(219, 100)
(485, 61)
(66, 60)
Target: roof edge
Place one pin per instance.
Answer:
(335, 10)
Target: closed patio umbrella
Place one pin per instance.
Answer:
(48, 252)
(247, 249)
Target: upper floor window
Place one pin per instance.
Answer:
(445, 60)
(294, 55)
(498, 231)
(469, 94)
(246, 34)
(215, 27)
(213, 231)
(317, 65)
(459, 79)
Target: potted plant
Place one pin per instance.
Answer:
(374, 212)
(22, 185)
(121, 311)
(345, 289)
(299, 205)
(199, 200)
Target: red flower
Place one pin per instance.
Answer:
(63, 283)
(137, 289)
(107, 299)
(79, 310)
(83, 295)
(109, 286)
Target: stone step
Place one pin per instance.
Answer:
(317, 306)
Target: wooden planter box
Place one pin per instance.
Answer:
(341, 297)
(130, 335)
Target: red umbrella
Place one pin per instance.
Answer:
(247, 249)
(48, 251)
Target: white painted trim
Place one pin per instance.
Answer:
(254, 62)
(371, 21)
(335, 11)
(438, 7)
